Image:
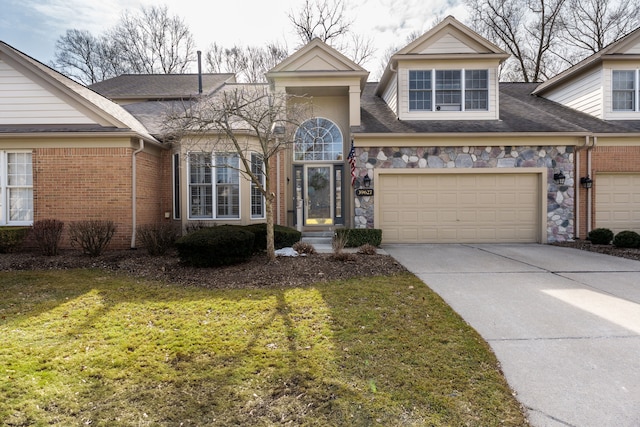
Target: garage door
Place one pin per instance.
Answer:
(618, 201)
(459, 208)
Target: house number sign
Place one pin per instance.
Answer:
(363, 192)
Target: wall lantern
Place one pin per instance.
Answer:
(586, 182)
(559, 178)
(366, 181)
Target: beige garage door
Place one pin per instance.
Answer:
(618, 201)
(459, 208)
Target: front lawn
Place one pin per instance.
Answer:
(87, 347)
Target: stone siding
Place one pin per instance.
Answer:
(560, 199)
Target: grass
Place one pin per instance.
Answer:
(86, 347)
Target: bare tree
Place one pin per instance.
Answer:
(243, 119)
(528, 30)
(328, 21)
(250, 63)
(590, 25)
(150, 41)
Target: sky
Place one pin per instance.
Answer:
(33, 26)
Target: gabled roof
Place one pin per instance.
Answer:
(520, 113)
(616, 50)
(450, 39)
(317, 59)
(160, 86)
(113, 116)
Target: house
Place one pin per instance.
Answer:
(442, 152)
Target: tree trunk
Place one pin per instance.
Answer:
(271, 250)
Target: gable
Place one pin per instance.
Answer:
(317, 56)
(24, 100)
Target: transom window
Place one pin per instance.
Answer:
(318, 139)
(214, 179)
(624, 90)
(451, 90)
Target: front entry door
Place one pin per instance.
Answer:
(319, 195)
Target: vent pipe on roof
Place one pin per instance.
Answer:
(199, 72)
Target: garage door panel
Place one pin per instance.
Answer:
(618, 201)
(468, 207)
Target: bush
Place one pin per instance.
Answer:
(367, 249)
(356, 237)
(47, 233)
(158, 238)
(12, 237)
(627, 239)
(283, 237)
(198, 225)
(600, 236)
(304, 248)
(216, 246)
(92, 236)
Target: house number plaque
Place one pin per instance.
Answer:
(364, 192)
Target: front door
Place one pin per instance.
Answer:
(319, 195)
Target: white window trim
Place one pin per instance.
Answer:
(214, 206)
(636, 90)
(462, 89)
(252, 185)
(4, 187)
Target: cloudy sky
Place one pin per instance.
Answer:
(33, 26)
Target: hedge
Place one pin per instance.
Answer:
(356, 237)
(216, 246)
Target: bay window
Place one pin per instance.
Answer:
(257, 199)
(214, 178)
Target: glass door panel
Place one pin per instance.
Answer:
(319, 195)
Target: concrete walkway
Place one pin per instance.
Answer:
(564, 323)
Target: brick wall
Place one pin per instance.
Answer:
(75, 184)
(603, 159)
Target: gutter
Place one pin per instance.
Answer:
(134, 192)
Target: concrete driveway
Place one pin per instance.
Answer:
(564, 323)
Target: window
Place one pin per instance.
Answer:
(257, 199)
(623, 84)
(318, 139)
(16, 188)
(451, 90)
(209, 182)
(419, 90)
(176, 186)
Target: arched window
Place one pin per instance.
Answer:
(318, 139)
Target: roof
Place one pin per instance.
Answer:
(113, 113)
(520, 112)
(160, 86)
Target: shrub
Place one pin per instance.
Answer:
(158, 238)
(600, 236)
(92, 236)
(47, 233)
(367, 249)
(12, 237)
(304, 248)
(216, 246)
(357, 237)
(343, 256)
(627, 239)
(283, 237)
(198, 225)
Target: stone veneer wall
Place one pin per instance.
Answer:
(560, 199)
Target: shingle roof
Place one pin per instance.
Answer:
(159, 86)
(520, 112)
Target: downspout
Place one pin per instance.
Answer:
(589, 190)
(576, 183)
(134, 194)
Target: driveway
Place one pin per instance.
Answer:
(564, 323)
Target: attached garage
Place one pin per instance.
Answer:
(471, 207)
(618, 201)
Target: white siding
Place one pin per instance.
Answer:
(390, 95)
(448, 44)
(23, 101)
(582, 94)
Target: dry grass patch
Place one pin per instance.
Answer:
(91, 347)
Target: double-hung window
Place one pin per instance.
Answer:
(624, 90)
(257, 199)
(448, 90)
(16, 188)
(214, 186)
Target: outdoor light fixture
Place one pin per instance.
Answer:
(586, 182)
(559, 178)
(366, 181)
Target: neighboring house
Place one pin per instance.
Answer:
(443, 152)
